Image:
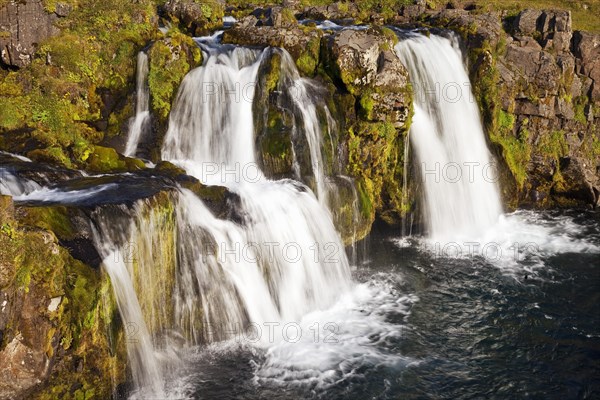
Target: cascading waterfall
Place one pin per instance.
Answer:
(142, 106)
(298, 89)
(13, 186)
(460, 195)
(283, 260)
(214, 128)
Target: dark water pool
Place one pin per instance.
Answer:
(425, 326)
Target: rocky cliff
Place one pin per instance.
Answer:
(537, 85)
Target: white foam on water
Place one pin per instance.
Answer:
(328, 346)
(44, 194)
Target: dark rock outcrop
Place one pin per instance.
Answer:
(23, 26)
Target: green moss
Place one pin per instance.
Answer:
(170, 60)
(371, 159)
(506, 121)
(106, 159)
(52, 218)
(553, 145)
(309, 58)
(579, 108)
(274, 73)
(54, 155)
(390, 35)
(60, 95)
(306, 64)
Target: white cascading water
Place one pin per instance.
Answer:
(461, 198)
(142, 106)
(282, 261)
(10, 185)
(299, 91)
(213, 128)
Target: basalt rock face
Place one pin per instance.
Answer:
(537, 84)
(23, 26)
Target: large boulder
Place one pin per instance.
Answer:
(198, 17)
(364, 61)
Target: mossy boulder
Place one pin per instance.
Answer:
(197, 17)
(302, 42)
(363, 61)
(106, 159)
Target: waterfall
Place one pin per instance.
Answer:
(142, 106)
(299, 91)
(196, 278)
(212, 128)
(12, 185)
(460, 195)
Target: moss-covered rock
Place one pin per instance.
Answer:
(106, 159)
(170, 59)
(302, 42)
(54, 322)
(365, 63)
(77, 83)
(197, 17)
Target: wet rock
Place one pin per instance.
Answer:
(23, 25)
